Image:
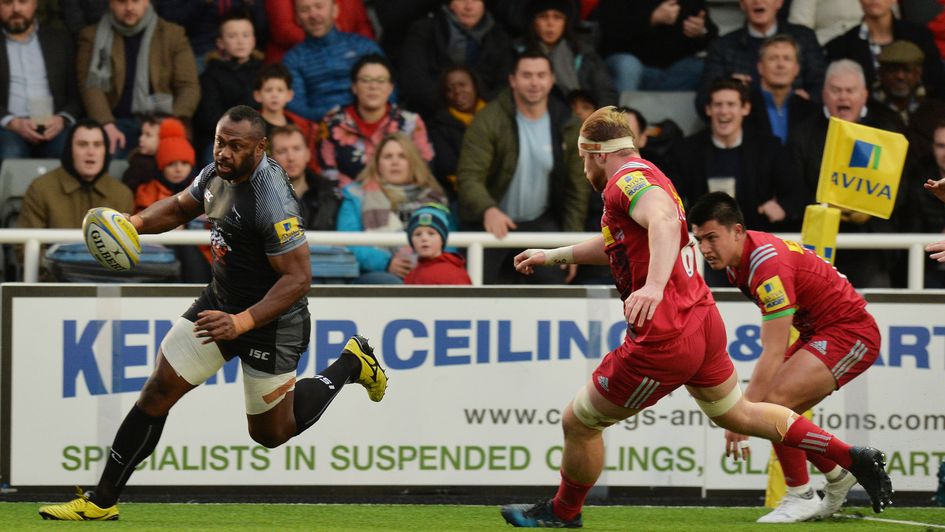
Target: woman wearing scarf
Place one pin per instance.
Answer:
(353, 132)
(395, 183)
(134, 63)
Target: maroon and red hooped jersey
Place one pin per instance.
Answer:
(686, 294)
(783, 278)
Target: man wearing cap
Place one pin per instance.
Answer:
(902, 90)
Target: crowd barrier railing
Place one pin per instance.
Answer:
(474, 242)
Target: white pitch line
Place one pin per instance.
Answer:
(896, 521)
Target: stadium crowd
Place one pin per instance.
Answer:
(377, 108)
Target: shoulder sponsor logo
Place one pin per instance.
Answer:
(287, 229)
(772, 295)
(632, 183)
(608, 238)
(794, 246)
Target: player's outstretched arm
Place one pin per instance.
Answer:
(656, 212)
(591, 251)
(168, 213)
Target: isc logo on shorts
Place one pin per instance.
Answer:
(261, 355)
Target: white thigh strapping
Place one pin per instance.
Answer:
(587, 414)
(263, 391)
(714, 409)
(193, 360)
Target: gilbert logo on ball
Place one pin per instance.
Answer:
(111, 239)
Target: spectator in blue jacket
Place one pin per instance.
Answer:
(320, 65)
(395, 183)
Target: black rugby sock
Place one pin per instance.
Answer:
(136, 439)
(313, 395)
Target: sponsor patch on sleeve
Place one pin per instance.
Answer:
(772, 295)
(632, 183)
(794, 246)
(288, 229)
(608, 238)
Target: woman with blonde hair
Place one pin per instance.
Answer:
(395, 182)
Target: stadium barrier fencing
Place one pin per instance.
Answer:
(473, 242)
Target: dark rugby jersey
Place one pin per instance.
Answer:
(250, 222)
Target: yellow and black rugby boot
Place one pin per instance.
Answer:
(79, 509)
(372, 375)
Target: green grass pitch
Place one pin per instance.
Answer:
(415, 518)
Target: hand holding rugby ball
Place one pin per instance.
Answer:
(111, 239)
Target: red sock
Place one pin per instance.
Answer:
(569, 500)
(793, 463)
(821, 462)
(805, 435)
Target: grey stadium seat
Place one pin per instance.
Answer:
(658, 106)
(117, 168)
(15, 177)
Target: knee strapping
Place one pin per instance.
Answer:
(772, 415)
(783, 424)
(715, 409)
(588, 415)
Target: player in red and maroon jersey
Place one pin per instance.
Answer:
(838, 338)
(675, 335)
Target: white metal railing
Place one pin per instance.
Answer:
(33, 239)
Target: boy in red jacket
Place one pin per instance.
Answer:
(427, 232)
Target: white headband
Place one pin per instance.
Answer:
(606, 146)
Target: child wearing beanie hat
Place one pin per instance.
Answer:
(175, 160)
(427, 233)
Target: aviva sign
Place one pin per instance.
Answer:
(861, 168)
(865, 155)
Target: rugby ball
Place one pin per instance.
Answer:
(111, 239)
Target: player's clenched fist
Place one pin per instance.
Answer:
(214, 325)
